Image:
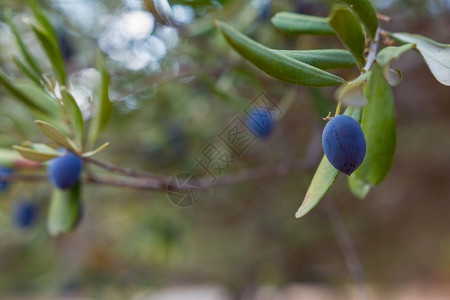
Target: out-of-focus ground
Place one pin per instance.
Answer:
(417, 291)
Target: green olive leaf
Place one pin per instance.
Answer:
(40, 97)
(436, 55)
(52, 51)
(366, 12)
(34, 155)
(42, 19)
(98, 150)
(275, 64)
(322, 58)
(26, 54)
(26, 70)
(18, 93)
(384, 57)
(349, 31)
(293, 23)
(65, 210)
(57, 136)
(378, 124)
(324, 177)
(76, 117)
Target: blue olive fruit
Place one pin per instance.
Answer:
(260, 121)
(4, 183)
(25, 214)
(65, 170)
(344, 144)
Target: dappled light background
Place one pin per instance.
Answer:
(176, 86)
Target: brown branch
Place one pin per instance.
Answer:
(373, 48)
(384, 18)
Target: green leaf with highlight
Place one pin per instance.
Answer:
(42, 19)
(366, 12)
(35, 155)
(324, 177)
(322, 58)
(379, 127)
(65, 210)
(293, 23)
(57, 136)
(349, 31)
(51, 49)
(26, 70)
(275, 64)
(436, 55)
(26, 54)
(76, 117)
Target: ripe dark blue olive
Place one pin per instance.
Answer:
(344, 144)
(4, 183)
(260, 121)
(25, 214)
(65, 170)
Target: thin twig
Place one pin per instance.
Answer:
(384, 18)
(373, 47)
(126, 172)
(347, 247)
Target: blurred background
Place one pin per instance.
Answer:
(176, 86)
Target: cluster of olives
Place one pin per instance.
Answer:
(344, 144)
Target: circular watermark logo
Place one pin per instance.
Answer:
(184, 190)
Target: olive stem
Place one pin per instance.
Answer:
(338, 108)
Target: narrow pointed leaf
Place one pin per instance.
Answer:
(34, 155)
(26, 54)
(42, 19)
(324, 177)
(65, 210)
(105, 106)
(349, 31)
(366, 12)
(57, 136)
(275, 64)
(378, 124)
(98, 150)
(17, 93)
(39, 96)
(27, 71)
(323, 59)
(436, 55)
(52, 51)
(301, 24)
(76, 117)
